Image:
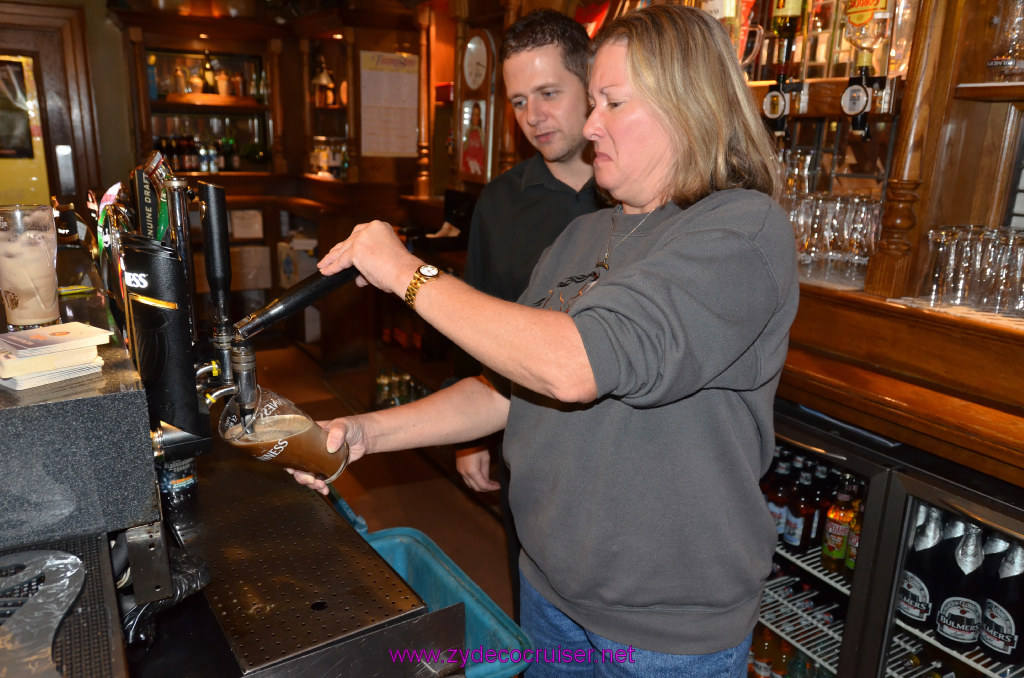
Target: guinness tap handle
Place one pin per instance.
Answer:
(217, 256)
(295, 298)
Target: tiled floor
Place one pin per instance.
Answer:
(410, 489)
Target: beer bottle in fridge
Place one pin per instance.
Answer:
(853, 542)
(836, 532)
(952, 531)
(915, 600)
(802, 516)
(780, 662)
(958, 615)
(1003, 613)
(778, 496)
(764, 652)
(995, 548)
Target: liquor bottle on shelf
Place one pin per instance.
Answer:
(802, 516)
(819, 36)
(778, 495)
(958, 617)
(209, 75)
(916, 597)
(1003, 614)
(1007, 61)
(867, 27)
(787, 18)
(836, 532)
(902, 38)
(324, 93)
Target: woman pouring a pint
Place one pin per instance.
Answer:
(645, 356)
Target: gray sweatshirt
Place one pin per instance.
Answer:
(640, 514)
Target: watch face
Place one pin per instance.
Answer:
(428, 271)
(474, 66)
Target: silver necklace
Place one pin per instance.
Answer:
(609, 248)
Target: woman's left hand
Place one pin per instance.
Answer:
(377, 253)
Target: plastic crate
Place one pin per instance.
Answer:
(441, 583)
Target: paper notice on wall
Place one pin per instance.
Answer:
(390, 100)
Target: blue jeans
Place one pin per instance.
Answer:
(559, 641)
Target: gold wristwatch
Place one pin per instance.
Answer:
(423, 275)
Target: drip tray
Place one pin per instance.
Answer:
(295, 587)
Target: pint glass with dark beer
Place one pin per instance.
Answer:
(282, 434)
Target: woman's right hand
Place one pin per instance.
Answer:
(341, 430)
(375, 250)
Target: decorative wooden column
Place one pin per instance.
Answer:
(888, 272)
(279, 162)
(421, 186)
(460, 12)
(507, 148)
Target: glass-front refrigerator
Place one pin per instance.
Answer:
(956, 603)
(891, 561)
(827, 491)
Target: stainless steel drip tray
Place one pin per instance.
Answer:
(289, 577)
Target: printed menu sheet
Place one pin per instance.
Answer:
(390, 104)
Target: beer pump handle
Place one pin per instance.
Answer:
(217, 256)
(295, 298)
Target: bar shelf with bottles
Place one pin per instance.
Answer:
(209, 111)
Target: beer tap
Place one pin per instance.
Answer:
(243, 360)
(217, 259)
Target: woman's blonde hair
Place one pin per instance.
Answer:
(681, 62)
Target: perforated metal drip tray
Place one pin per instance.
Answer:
(288, 577)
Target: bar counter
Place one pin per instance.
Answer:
(293, 588)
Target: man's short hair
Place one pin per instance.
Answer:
(543, 27)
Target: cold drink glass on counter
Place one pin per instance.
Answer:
(282, 434)
(28, 266)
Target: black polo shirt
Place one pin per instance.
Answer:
(516, 217)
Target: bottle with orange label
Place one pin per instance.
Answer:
(838, 520)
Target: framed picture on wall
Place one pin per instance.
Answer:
(476, 108)
(15, 100)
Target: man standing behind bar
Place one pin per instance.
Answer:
(544, 63)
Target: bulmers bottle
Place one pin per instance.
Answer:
(995, 548)
(915, 599)
(1003, 613)
(958, 615)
